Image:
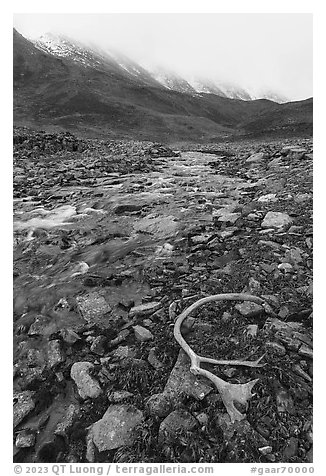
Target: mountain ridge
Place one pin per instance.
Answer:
(97, 96)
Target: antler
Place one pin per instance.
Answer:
(229, 392)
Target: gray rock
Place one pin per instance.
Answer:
(116, 428)
(202, 418)
(290, 449)
(249, 309)
(23, 405)
(69, 336)
(276, 220)
(296, 153)
(305, 351)
(159, 405)
(119, 396)
(144, 309)
(265, 450)
(153, 360)
(284, 401)
(251, 330)
(25, 439)
(43, 325)
(228, 217)
(286, 267)
(127, 207)
(97, 346)
(87, 386)
(71, 415)
(182, 381)
(94, 309)
(142, 334)
(276, 348)
(179, 421)
(254, 286)
(120, 338)
(123, 352)
(310, 456)
(258, 157)
(238, 435)
(55, 353)
(270, 197)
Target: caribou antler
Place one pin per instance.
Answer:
(229, 392)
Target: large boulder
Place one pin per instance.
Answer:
(116, 428)
(276, 220)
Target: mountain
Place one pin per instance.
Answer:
(62, 84)
(61, 46)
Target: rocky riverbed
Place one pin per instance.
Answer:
(112, 240)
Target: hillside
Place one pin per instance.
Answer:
(91, 93)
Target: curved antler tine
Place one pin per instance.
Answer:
(229, 392)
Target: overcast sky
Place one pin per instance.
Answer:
(257, 51)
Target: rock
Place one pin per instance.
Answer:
(270, 197)
(254, 286)
(98, 345)
(265, 450)
(69, 336)
(201, 239)
(283, 312)
(43, 325)
(123, 352)
(290, 449)
(202, 418)
(23, 405)
(127, 207)
(284, 401)
(25, 439)
(176, 423)
(228, 217)
(55, 354)
(276, 348)
(144, 309)
(116, 428)
(251, 330)
(142, 334)
(72, 414)
(238, 435)
(299, 371)
(249, 309)
(87, 386)
(187, 325)
(309, 456)
(296, 153)
(306, 351)
(153, 360)
(293, 256)
(120, 338)
(286, 267)
(258, 157)
(94, 309)
(119, 396)
(182, 381)
(276, 220)
(148, 323)
(159, 405)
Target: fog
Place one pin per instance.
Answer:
(257, 51)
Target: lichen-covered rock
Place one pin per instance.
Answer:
(23, 405)
(87, 386)
(276, 220)
(116, 428)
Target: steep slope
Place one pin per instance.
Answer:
(96, 93)
(289, 118)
